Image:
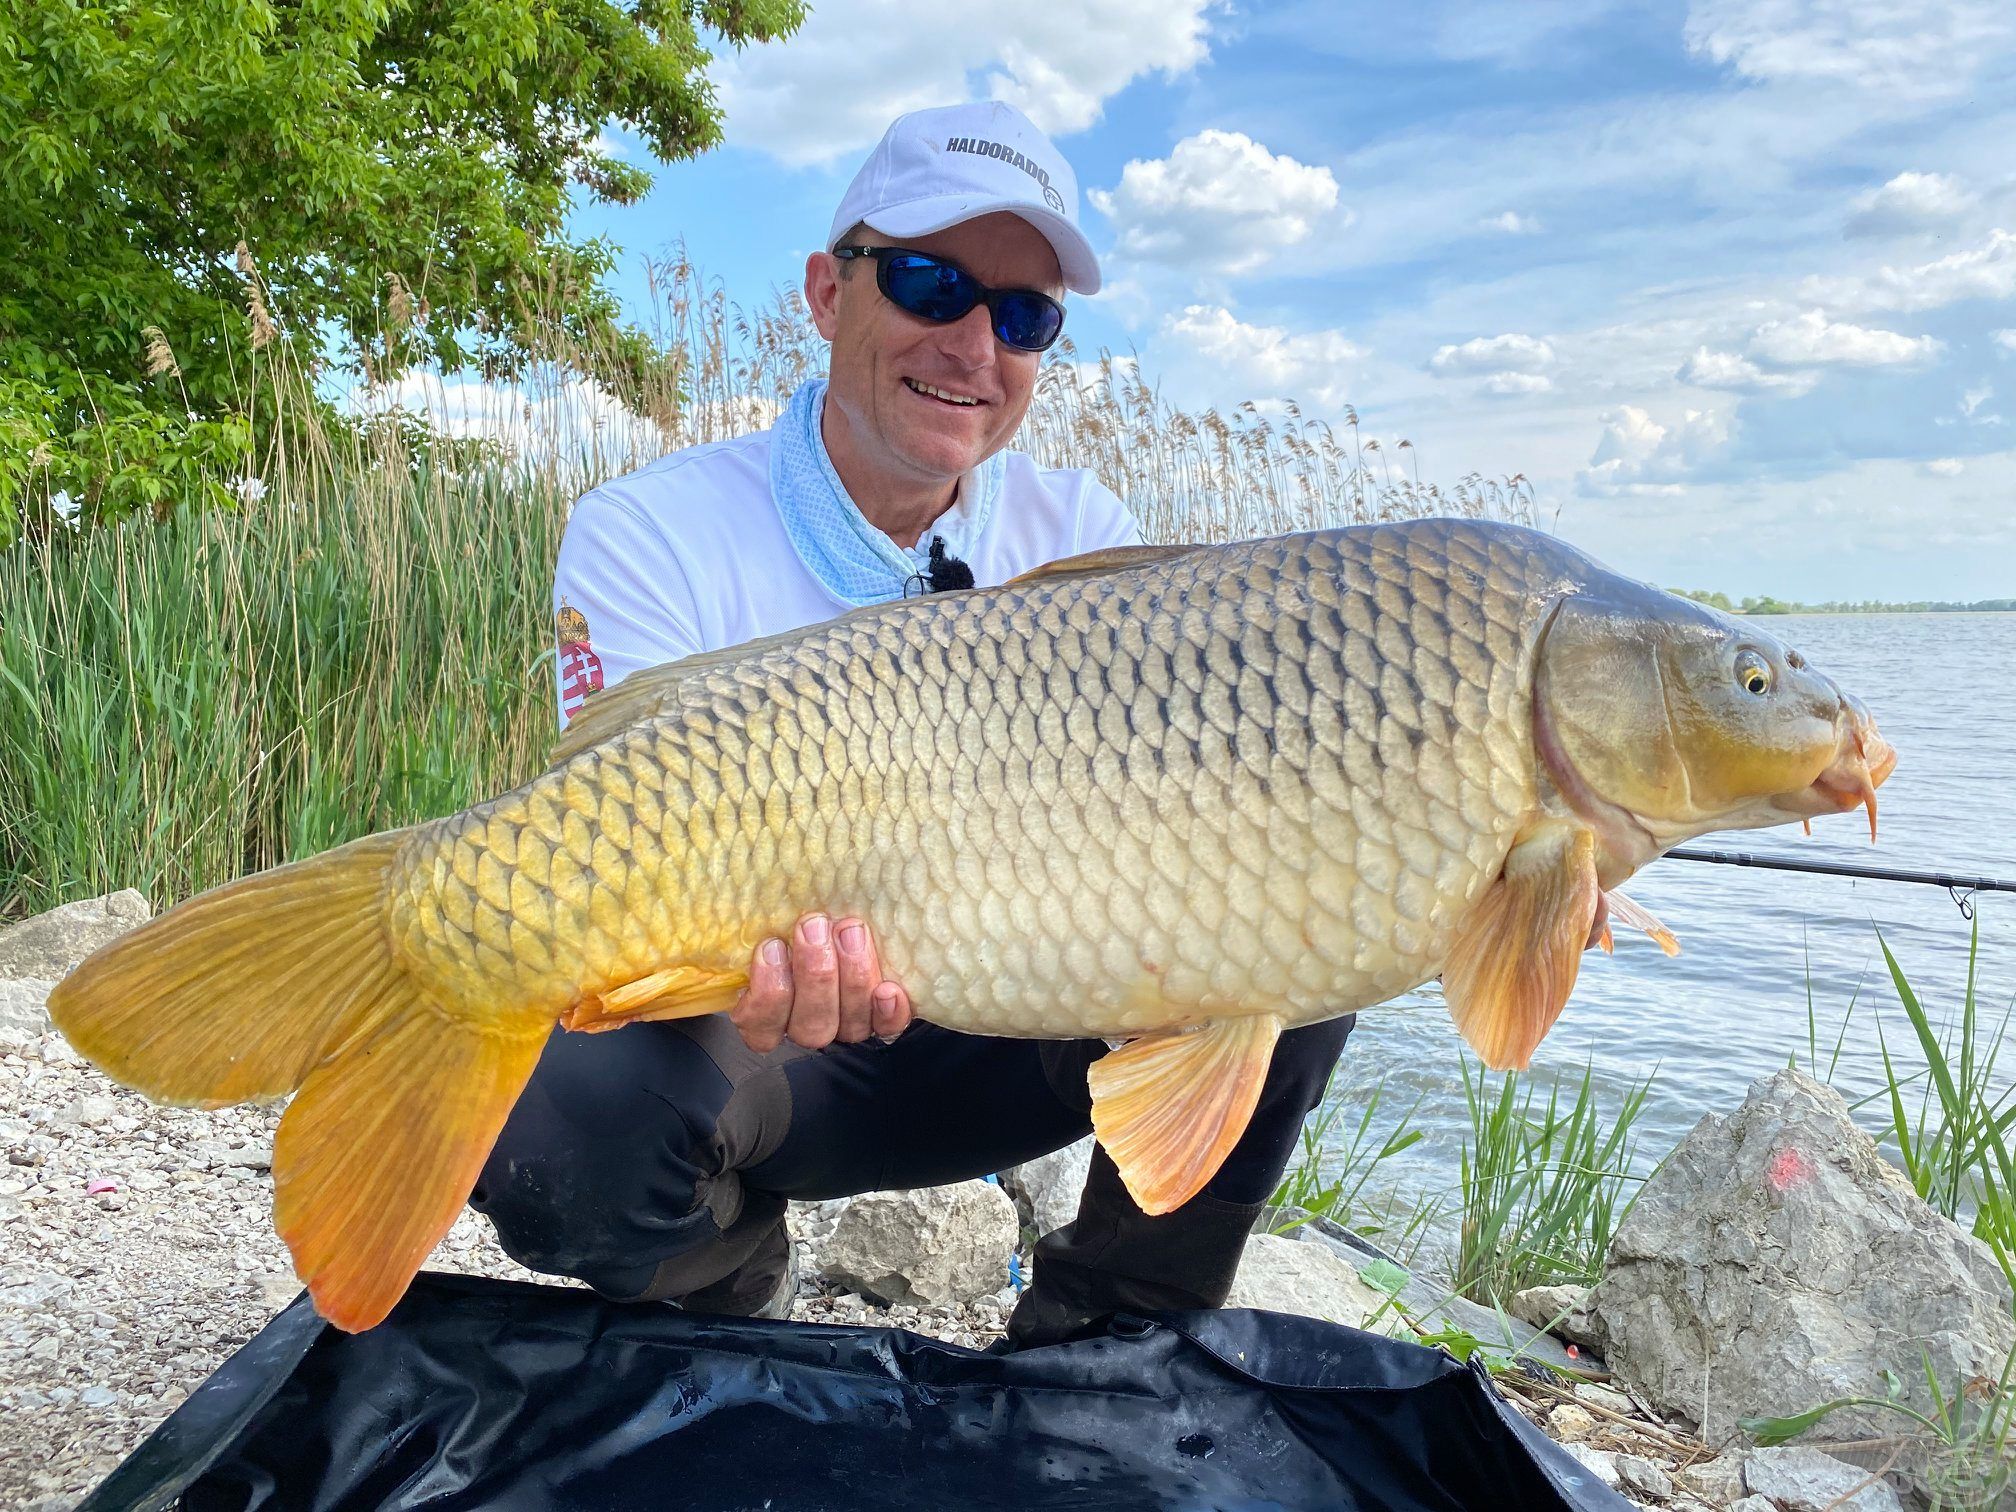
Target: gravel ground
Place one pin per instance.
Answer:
(116, 1303)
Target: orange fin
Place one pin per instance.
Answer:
(377, 1153)
(1169, 1107)
(239, 992)
(677, 992)
(1625, 911)
(1516, 959)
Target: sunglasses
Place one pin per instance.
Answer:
(938, 290)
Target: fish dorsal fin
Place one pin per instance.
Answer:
(655, 689)
(1109, 559)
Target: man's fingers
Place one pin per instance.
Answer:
(891, 1015)
(815, 984)
(762, 1012)
(860, 971)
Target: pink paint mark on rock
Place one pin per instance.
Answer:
(99, 1185)
(1788, 1169)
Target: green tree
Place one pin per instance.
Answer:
(399, 169)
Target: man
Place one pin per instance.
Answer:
(656, 1163)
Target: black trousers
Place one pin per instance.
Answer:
(654, 1162)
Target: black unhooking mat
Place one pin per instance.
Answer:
(516, 1398)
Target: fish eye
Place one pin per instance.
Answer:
(1753, 673)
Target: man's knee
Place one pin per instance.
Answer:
(608, 1160)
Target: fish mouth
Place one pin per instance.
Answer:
(1862, 762)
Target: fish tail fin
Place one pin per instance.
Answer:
(287, 980)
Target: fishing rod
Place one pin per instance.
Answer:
(1960, 889)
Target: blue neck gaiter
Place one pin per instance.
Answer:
(857, 562)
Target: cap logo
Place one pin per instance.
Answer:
(1001, 153)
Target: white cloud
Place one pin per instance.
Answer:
(1945, 467)
(1987, 272)
(1512, 352)
(1910, 202)
(1512, 384)
(1925, 49)
(1638, 455)
(1731, 370)
(1512, 223)
(830, 89)
(1270, 360)
(2005, 339)
(1219, 199)
(1813, 338)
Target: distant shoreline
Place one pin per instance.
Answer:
(1763, 606)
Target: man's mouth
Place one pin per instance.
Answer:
(963, 401)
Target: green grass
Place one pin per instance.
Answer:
(1332, 1174)
(185, 701)
(1543, 1181)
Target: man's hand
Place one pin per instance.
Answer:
(826, 985)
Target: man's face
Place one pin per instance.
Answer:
(884, 358)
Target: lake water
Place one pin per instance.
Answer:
(1732, 1006)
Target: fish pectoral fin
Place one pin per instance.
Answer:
(1515, 961)
(378, 1151)
(1626, 911)
(1169, 1107)
(674, 993)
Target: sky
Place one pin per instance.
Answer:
(1732, 282)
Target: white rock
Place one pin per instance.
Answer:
(1598, 1462)
(1286, 1275)
(24, 1011)
(1719, 1479)
(1643, 1477)
(933, 1245)
(1048, 1187)
(1777, 1261)
(1561, 1310)
(1753, 1504)
(50, 945)
(88, 1111)
(1805, 1480)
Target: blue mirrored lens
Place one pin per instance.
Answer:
(1024, 320)
(935, 290)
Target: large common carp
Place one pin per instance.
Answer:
(1185, 796)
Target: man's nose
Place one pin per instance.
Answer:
(969, 340)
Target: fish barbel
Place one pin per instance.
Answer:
(1188, 797)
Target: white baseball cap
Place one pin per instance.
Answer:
(936, 168)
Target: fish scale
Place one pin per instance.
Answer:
(1260, 778)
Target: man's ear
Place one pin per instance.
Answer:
(822, 292)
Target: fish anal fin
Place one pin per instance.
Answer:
(1517, 956)
(1108, 559)
(378, 1152)
(674, 993)
(1169, 1107)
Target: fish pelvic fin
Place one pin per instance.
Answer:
(287, 980)
(1627, 911)
(1169, 1107)
(675, 993)
(1516, 959)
